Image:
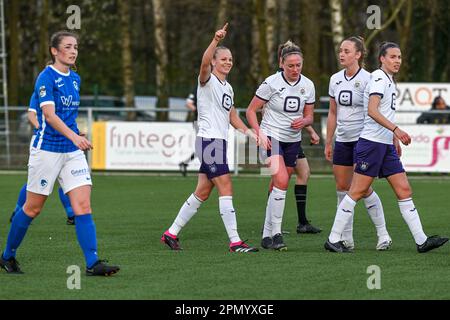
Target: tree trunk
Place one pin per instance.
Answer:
(283, 18)
(271, 17)
(43, 53)
(13, 53)
(404, 31)
(311, 40)
(159, 18)
(431, 45)
(254, 66)
(127, 57)
(337, 24)
(222, 14)
(262, 46)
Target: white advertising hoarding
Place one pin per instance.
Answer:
(429, 150)
(149, 146)
(413, 96)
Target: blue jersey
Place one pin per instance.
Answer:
(33, 106)
(61, 90)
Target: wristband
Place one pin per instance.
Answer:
(396, 127)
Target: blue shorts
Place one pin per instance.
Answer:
(344, 153)
(288, 150)
(212, 154)
(376, 159)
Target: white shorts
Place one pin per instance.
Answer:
(45, 167)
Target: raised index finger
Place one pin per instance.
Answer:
(224, 28)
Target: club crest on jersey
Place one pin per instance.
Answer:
(44, 183)
(357, 84)
(42, 92)
(302, 90)
(75, 85)
(364, 166)
(227, 102)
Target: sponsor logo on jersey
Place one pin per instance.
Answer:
(42, 92)
(376, 80)
(75, 85)
(338, 83)
(67, 101)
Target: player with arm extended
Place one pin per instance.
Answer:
(377, 154)
(215, 113)
(346, 119)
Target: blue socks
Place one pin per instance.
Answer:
(19, 228)
(22, 198)
(66, 203)
(87, 238)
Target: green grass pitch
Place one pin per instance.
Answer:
(131, 212)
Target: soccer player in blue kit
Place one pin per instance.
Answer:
(65, 201)
(377, 154)
(57, 153)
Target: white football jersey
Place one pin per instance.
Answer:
(349, 96)
(284, 103)
(214, 102)
(383, 85)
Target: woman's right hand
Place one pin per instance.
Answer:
(328, 152)
(82, 143)
(263, 141)
(220, 34)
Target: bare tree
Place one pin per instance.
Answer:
(403, 26)
(337, 25)
(127, 57)
(262, 46)
(159, 18)
(43, 12)
(222, 14)
(13, 54)
(390, 19)
(311, 40)
(271, 17)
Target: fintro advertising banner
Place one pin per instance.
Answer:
(147, 146)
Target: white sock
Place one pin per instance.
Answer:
(376, 213)
(277, 200)
(229, 217)
(347, 234)
(340, 196)
(412, 219)
(343, 215)
(185, 214)
(267, 231)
